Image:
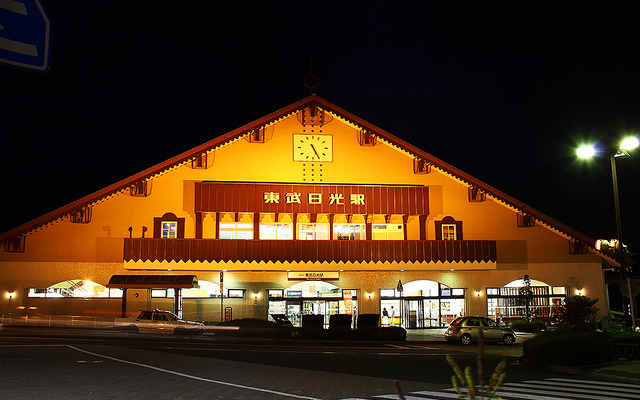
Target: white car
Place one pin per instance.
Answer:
(158, 321)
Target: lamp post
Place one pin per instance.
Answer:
(620, 152)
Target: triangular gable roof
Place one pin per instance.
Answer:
(310, 101)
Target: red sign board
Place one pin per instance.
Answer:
(314, 199)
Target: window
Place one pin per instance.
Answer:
(75, 288)
(448, 232)
(276, 231)
(387, 232)
(348, 232)
(276, 293)
(169, 226)
(313, 232)
(235, 293)
(448, 229)
(236, 230)
(169, 229)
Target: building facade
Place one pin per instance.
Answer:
(308, 210)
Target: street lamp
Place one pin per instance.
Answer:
(627, 144)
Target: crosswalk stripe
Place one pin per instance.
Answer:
(439, 395)
(548, 389)
(599, 383)
(570, 390)
(577, 387)
(522, 395)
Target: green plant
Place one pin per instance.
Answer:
(465, 379)
(568, 348)
(577, 309)
(481, 391)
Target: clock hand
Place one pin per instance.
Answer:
(315, 151)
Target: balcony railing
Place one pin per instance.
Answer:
(217, 250)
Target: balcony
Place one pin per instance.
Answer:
(219, 250)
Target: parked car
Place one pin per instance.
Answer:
(158, 321)
(467, 329)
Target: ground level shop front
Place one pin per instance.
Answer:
(422, 303)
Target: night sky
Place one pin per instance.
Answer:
(504, 94)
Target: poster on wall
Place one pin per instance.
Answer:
(348, 301)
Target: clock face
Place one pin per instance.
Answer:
(312, 148)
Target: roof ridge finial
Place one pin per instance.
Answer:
(311, 81)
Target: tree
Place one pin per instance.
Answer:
(577, 309)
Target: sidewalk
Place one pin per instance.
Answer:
(628, 371)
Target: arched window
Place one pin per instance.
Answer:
(448, 229)
(75, 288)
(169, 226)
(512, 302)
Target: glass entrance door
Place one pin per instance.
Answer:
(413, 314)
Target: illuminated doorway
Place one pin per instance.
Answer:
(312, 298)
(422, 304)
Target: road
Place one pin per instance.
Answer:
(52, 364)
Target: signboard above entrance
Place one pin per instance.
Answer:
(291, 198)
(313, 276)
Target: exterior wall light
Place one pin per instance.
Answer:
(580, 292)
(478, 293)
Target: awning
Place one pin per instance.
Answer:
(153, 281)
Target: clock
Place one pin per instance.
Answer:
(312, 148)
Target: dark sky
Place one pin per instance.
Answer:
(505, 94)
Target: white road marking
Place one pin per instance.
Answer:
(198, 378)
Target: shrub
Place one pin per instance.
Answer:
(577, 309)
(568, 348)
(534, 326)
(623, 334)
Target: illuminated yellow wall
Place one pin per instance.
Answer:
(63, 250)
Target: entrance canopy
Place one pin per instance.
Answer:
(153, 281)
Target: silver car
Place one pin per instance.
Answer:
(157, 321)
(467, 329)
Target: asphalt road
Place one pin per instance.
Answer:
(53, 364)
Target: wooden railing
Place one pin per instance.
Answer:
(216, 250)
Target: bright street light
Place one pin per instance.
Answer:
(630, 143)
(586, 151)
(622, 151)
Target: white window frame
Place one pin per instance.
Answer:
(449, 232)
(171, 231)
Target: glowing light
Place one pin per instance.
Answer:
(587, 151)
(478, 293)
(630, 143)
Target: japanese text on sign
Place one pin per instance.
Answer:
(313, 198)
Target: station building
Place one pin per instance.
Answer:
(308, 210)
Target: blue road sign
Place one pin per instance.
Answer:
(24, 34)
